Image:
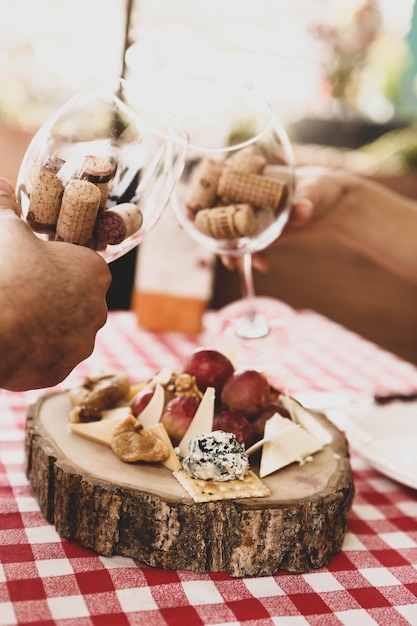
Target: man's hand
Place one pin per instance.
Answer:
(53, 302)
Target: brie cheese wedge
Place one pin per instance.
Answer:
(300, 415)
(202, 422)
(285, 443)
(153, 410)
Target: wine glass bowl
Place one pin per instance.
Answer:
(100, 172)
(235, 192)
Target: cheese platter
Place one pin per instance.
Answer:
(290, 515)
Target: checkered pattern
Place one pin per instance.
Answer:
(45, 580)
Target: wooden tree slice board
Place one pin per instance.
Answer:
(141, 511)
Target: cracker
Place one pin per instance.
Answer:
(209, 490)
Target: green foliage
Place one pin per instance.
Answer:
(396, 145)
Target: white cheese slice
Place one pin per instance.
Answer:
(230, 353)
(202, 422)
(172, 462)
(119, 411)
(153, 410)
(162, 377)
(301, 415)
(100, 432)
(285, 443)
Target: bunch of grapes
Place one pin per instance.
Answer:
(244, 398)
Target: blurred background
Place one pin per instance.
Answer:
(311, 57)
(342, 75)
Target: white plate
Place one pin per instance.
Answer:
(386, 437)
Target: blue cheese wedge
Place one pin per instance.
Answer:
(216, 456)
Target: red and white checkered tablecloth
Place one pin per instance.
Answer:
(49, 581)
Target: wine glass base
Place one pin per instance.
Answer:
(268, 352)
(254, 327)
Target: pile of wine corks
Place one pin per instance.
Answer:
(233, 198)
(77, 211)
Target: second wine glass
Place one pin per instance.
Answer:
(234, 195)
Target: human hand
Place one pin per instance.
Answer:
(319, 191)
(52, 297)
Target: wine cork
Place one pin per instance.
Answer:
(226, 222)
(99, 171)
(203, 186)
(79, 208)
(116, 224)
(248, 160)
(45, 197)
(253, 189)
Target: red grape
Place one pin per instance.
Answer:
(178, 415)
(210, 369)
(141, 400)
(237, 423)
(258, 422)
(246, 390)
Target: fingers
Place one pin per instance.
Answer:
(7, 196)
(302, 211)
(229, 262)
(260, 262)
(98, 267)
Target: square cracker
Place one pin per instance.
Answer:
(208, 490)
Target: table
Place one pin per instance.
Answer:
(373, 580)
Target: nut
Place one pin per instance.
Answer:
(185, 385)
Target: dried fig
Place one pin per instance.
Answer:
(131, 442)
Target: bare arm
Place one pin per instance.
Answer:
(52, 303)
(365, 215)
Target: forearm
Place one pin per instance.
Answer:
(380, 224)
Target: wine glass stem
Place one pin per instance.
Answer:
(247, 284)
(253, 325)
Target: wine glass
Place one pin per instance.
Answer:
(100, 172)
(235, 192)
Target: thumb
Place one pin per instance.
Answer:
(7, 196)
(302, 212)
